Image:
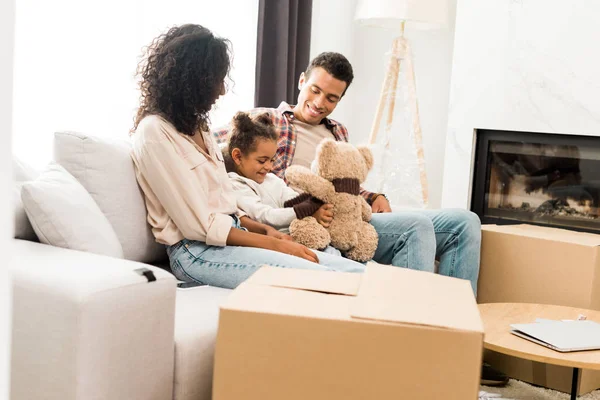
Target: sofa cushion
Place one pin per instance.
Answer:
(63, 214)
(22, 173)
(196, 322)
(105, 168)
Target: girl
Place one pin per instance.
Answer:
(264, 197)
(189, 198)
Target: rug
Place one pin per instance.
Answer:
(517, 390)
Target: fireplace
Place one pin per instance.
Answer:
(537, 178)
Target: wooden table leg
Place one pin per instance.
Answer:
(574, 383)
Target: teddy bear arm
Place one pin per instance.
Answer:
(303, 179)
(323, 190)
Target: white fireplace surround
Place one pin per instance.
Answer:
(519, 65)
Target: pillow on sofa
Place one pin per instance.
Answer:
(63, 214)
(22, 173)
(105, 169)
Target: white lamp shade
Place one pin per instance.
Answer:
(424, 14)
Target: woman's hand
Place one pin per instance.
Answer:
(270, 231)
(295, 249)
(324, 215)
(239, 237)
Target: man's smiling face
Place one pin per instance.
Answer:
(319, 94)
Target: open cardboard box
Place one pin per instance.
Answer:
(390, 333)
(534, 264)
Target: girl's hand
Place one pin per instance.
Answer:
(296, 249)
(324, 215)
(270, 231)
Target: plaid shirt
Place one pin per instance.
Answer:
(283, 119)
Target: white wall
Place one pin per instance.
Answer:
(334, 29)
(75, 63)
(523, 66)
(7, 20)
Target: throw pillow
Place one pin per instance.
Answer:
(63, 214)
(22, 173)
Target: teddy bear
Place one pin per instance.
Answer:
(338, 170)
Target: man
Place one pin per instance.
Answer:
(411, 239)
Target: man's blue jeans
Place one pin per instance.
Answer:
(415, 238)
(411, 239)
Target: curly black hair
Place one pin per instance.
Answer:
(182, 73)
(335, 64)
(245, 133)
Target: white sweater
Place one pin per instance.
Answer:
(263, 202)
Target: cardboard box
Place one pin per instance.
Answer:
(390, 333)
(533, 264)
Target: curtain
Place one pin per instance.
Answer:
(282, 50)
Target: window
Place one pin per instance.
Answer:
(75, 63)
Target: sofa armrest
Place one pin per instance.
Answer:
(87, 326)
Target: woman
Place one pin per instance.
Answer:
(191, 204)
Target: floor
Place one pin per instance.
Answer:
(517, 390)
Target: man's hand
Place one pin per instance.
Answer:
(381, 205)
(270, 231)
(324, 215)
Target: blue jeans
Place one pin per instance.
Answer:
(411, 239)
(231, 265)
(415, 238)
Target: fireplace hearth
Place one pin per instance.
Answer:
(537, 178)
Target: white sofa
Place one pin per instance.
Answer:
(93, 326)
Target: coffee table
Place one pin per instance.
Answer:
(497, 318)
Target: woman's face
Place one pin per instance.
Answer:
(258, 163)
(221, 92)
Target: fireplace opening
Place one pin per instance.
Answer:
(537, 178)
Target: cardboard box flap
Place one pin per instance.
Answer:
(395, 294)
(547, 233)
(344, 283)
(266, 299)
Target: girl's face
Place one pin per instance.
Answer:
(258, 163)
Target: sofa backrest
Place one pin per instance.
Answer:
(105, 169)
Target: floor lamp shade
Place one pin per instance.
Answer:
(424, 14)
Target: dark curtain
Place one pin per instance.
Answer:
(282, 51)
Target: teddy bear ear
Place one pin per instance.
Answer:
(367, 155)
(327, 146)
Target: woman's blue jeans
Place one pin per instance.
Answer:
(411, 239)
